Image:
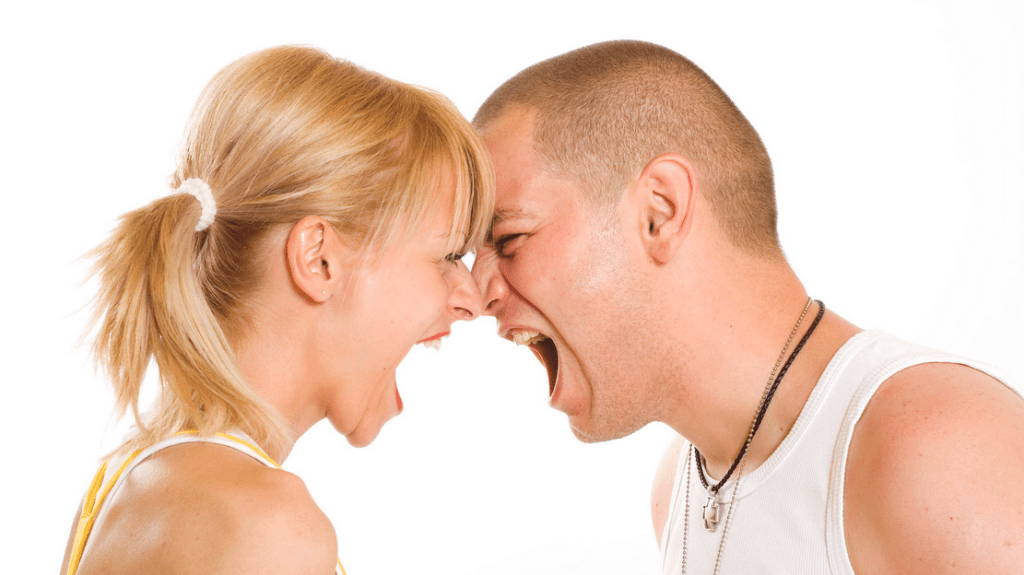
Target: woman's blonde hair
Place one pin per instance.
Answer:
(278, 135)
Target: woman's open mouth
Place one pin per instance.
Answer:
(542, 347)
(434, 341)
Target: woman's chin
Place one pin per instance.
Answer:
(366, 431)
(388, 405)
(362, 437)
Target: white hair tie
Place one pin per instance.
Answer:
(201, 192)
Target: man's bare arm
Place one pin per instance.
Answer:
(934, 476)
(664, 482)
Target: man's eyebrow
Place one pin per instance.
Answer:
(503, 215)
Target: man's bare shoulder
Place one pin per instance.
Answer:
(204, 508)
(933, 475)
(664, 483)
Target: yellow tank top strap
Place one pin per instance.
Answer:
(94, 497)
(91, 507)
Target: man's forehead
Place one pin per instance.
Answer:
(533, 197)
(527, 188)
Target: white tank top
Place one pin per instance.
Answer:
(789, 511)
(112, 474)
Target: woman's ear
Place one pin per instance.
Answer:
(315, 258)
(663, 196)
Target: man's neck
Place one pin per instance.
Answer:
(793, 391)
(730, 337)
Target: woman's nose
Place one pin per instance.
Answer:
(465, 297)
(489, 282)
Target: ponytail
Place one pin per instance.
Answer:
(150, 305)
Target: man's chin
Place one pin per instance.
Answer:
(584, 436)
(597, 434)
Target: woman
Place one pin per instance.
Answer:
(316, 238)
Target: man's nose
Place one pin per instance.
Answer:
(489, 280)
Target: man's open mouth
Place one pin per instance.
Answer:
(542, 347)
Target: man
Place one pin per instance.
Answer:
(634, 249)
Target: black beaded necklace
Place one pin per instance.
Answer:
(699, 459)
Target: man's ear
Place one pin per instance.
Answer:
(664, 195)
(315, 258)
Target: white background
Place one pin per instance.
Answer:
(897, 133)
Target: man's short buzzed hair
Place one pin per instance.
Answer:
(604, 111)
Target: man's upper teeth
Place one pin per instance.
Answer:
(433, 343)
(526, 337)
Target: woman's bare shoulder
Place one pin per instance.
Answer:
(201, 507)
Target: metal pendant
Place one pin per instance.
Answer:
(711, 512)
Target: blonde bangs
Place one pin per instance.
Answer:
(440, 162)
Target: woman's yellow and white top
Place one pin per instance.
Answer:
(113, 472)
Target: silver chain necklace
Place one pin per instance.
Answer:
(728, 515)
(711, 507)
